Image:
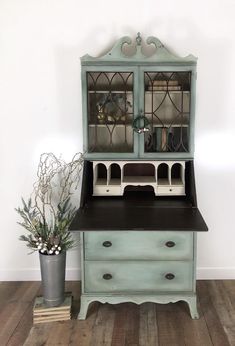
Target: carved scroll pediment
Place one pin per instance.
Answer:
(125, 49)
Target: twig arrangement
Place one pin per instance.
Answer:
(49, 211)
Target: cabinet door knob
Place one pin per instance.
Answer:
(107, 243)
(170, 243)
(107, 276)
(169, 276)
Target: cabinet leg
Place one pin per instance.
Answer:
(192, 303)
(84, 304)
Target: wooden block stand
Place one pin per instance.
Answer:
(41, 313)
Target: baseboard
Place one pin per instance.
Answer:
(73, 274)
(215, 273)
(29, 274)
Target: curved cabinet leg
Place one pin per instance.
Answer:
(192, 303)
(86, 300)
(84, 304)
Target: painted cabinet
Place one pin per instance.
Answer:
(138, 217)
(154, 96)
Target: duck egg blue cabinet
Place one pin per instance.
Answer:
(138, 217)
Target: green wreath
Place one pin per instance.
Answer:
(140, 124)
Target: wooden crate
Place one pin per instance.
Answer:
(42, 313)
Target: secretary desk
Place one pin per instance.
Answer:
(138, 217)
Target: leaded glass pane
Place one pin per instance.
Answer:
(167, 108)
(110, 111)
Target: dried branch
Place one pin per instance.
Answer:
(50, 214)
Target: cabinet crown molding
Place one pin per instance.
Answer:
(126, 49)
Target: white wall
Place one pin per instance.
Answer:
(40, 105)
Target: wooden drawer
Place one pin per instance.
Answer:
(171, 190)
(147, 245)
(124, 276)
(106, 190)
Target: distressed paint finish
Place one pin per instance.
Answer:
(138, 259)
(141, 275)
(108, 68)
(119, 60)
(148, 275)
(134, 245)
(189, 298)
(118, 56)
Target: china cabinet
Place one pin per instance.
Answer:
(138, 215)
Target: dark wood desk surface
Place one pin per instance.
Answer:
(163, 214)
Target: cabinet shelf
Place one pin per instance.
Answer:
(115, 181)
(110, 91)
(139, 179)
(111, 124)
(176, 182)
(166, 125)
(167, 91)
(101, 181)
(163, 181)
(111, 178)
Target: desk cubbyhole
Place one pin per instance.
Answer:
(101, 174)
(139, 172)
(163, 174)
(115, 174)
(177, 174)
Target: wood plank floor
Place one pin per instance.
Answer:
(122, 324)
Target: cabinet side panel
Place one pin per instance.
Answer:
(87, 179)
(190, 183)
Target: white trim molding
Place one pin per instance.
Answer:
(215, 273)
(32, 274)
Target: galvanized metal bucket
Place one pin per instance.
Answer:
(53, 278)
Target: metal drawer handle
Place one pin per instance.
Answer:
(170, 243)
(169, 276)
(107, 243)
(107, 276)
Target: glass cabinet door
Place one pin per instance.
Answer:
(167, 103)
(110, 111)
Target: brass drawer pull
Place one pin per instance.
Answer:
(170, 243)
(107, 276)
(169, 276)
(107, 243)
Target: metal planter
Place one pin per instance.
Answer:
(53, 278)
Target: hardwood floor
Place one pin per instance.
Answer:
(122, 324)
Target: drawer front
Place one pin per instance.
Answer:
(171, 190)
(106, 190)
(124, 276)
(147, 245)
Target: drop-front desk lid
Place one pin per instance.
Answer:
(163, 214)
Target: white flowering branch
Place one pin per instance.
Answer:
(49, 211)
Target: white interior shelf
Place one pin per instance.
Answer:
(111, 178)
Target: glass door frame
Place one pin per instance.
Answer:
(136, 98)
(168, 68)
